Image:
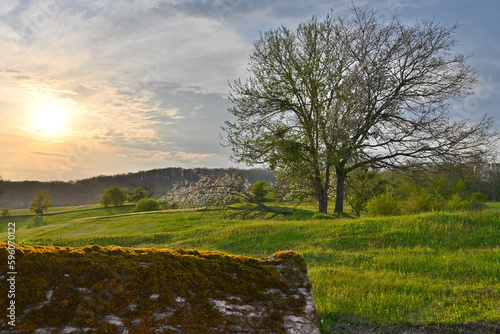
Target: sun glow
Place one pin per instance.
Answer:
(49, 118)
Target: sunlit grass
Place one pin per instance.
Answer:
(434, 268)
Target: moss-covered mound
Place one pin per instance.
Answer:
(123, 290)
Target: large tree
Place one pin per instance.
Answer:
(347, 92)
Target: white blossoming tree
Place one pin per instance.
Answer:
(221, 193)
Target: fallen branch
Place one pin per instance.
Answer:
(258, 211)
(218, 193)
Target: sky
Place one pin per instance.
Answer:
(105, 87)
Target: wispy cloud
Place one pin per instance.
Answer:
(49, 154)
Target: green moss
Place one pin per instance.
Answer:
(78, 287)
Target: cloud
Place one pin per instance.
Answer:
(148, 79)
(49, 154)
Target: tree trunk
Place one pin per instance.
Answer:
(323, 200)
(339, 200)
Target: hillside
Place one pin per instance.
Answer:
(429, 273)
(18, 194)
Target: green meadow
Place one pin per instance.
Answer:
(430, 269)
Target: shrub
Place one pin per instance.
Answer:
(147, 204)
(424, 201)
(456, 203)
(5, 213)
(363, 185)
(477, 197)
(386, 204)
(477, 201)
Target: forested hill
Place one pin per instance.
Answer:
(18, 194)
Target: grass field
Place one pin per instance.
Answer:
(436, 268)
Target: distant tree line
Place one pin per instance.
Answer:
(18, 194)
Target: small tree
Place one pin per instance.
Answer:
(259, 190)
(4, 213)
(105, 199)
(363, 185)
(114, 196)
(40, 203)
(137, 194)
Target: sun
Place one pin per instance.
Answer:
(49, 118)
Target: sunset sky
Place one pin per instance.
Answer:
(105, 87)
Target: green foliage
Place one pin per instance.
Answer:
(423, 201)
(113, 196)
(363, 185)
(259, 190)
(147, 204)
(386, 204)
(40, 203)
(5, 212)
(477, 197)
(477, 200)
(460, 188)
(105, 199)
(137, 194)
(456, 203)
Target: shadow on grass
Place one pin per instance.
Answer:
(122, 240)
(338, 323)
(37, 222)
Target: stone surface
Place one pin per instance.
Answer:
(122, 290)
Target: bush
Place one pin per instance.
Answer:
(477, 197)
(363, 185)
(424, 201)
(5, 213)
(477, 201)
(147, 204)
(384, 205)
(456, 203)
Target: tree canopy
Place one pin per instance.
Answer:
(353, 91)
(40, 203)
(114, 196)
